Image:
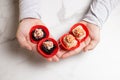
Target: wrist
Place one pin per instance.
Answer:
(29, 18)
(87, 23)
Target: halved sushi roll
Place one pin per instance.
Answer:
(69, 42)
(80, 31)
(47, 47)
(37, 33)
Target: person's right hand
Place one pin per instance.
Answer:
(23, 35)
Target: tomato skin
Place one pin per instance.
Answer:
(41, 27)
(84, 27)
(43, 53)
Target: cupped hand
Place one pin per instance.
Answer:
(23, 35)
(90, 43)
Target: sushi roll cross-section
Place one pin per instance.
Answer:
(47, 47)
(38, 33)
(80, 31)
(69, 42)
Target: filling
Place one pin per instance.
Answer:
(48, 46)
(69, 41)
(79, 32)
(38, 34)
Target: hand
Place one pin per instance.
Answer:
(23, 35)
(90, 43)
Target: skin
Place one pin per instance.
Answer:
(24, 41)
(23, 36)
(89, 44)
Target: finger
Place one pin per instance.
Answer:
(55, 58)
(49, 59)
(68, 54)
(87, 41)
(91, 45)
(73, 52)
(31, 44)
(23, 42)
(60, 53)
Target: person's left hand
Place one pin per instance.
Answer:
(23, 38)
(90, 43)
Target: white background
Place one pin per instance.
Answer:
(103, 63)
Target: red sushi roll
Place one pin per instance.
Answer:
(47, 47)
(80, 31)
(69, 42)
(37, 33)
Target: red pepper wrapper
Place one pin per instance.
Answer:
(40, 27)
(84, 28)
(65, 47)
(45, 54)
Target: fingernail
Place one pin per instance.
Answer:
(50, 60)
(57, 60)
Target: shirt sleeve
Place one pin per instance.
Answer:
(99, 11)
(29, 9)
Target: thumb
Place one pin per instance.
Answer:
(23, 41)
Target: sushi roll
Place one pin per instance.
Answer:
(37, 33)
(69, 42)
(47, 47)
(80, 31)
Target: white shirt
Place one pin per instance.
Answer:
(97, 14)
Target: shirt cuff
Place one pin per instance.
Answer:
(29, 14)
(91, 18)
